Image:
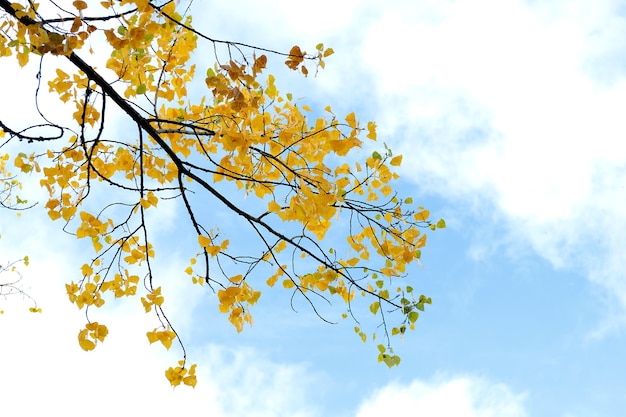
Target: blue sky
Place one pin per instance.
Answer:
(509, 115)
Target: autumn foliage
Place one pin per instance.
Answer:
(234, 131)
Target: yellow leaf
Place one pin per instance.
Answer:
(204, 241)
(281, 246)
(351, 119)
(396, 160)
(190, 381)
(86, 270)
(371, 130)
(272, 280)
(80, 5)
(422, 216)
(213, 250)
(236, 279)
(86, 345)
(273, 207)
(22, 58)
(76, 24)
(152, 336)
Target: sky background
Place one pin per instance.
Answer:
(509, 115)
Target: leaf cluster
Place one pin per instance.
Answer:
(239, 135)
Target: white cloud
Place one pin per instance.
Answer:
(515, 108)
(461, 396)
(40, 355)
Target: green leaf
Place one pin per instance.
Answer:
(391, 360)
(319, 46)
(413, 316)
(424, 299)
(210, 73)
(441, 224)
(141, 89)
(408, 200)
(376, 155)
(374, 307)
(380, 283)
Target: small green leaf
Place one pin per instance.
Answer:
(376, 155)
(380, 283)
(391, 360)
(210, 73)
(441, 224)
(141, 89)
(374, 307)
(413, 316)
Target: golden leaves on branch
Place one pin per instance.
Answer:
(243, 132)
(91, 335)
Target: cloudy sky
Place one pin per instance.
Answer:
(509, 115)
